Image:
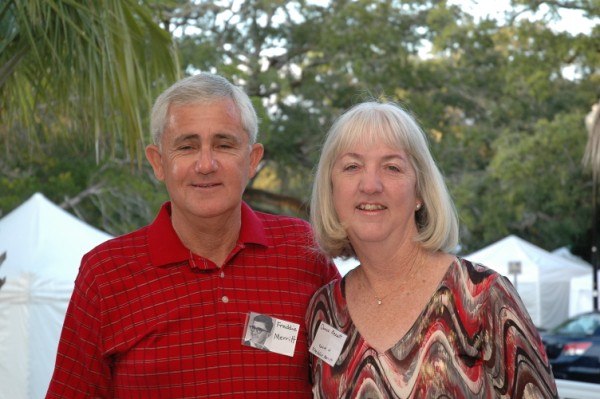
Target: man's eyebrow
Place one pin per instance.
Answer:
(186, 137)
(218, 136)
(228, 136)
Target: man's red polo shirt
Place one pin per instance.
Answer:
(149, 319)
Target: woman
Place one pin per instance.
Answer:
(419, 322)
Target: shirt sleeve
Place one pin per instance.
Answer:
(517, 363)
(81, 370)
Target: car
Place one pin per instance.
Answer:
(573, 348)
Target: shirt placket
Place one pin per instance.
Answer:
(224, 284)
(220, 279)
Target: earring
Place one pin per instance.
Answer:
(418, 206)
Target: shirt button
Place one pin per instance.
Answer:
(222, 274)
(225, 299)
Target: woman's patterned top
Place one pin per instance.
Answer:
(473, 339)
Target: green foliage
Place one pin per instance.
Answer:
(125, 200)
(59, 57)
(51, 169)
(545, 211)
(111, 195)
(502, 103)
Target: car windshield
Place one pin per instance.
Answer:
(588, 324)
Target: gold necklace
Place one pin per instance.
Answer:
(379, 298)
(367, 284)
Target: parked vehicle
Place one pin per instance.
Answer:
(573, 348)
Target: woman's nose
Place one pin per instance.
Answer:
(370, 183)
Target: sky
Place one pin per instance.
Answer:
(571, 21)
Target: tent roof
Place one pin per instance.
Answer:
(544, 283)
(42, 239)
(565, 252)
(536, 263)
(44, 245)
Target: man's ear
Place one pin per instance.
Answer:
(154, 156)
(256, 155)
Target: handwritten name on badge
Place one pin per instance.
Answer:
(285, 335)
(328, 344)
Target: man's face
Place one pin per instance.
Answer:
(205, 159)
(259, 332)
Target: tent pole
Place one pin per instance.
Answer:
(591, 158)
(595, 255)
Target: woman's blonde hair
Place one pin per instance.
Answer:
(437, 220)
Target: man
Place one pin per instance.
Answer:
(260, 330)
(160, 312)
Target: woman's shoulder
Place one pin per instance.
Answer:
(465, 276)
(328, 290)
(325, 299)
(476, 271)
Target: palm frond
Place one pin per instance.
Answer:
(95, 65)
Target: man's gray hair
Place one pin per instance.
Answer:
(201, 89)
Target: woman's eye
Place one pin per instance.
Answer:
(393, 168)
(350, 167)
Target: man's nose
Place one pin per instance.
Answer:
(206, 162)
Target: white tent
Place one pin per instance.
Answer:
(345, 265)
(43, 245)
(581, 287)
(544, 283)
(581, 294)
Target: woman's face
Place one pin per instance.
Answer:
(374, 193)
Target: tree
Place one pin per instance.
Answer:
(76, 83)
(494, 97)
(86, 67)
(303, 63)
(512, 131)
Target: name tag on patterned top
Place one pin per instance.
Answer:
(328, 344)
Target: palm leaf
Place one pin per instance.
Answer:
(91, 66)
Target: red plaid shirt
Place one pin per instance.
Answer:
(149, 319)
